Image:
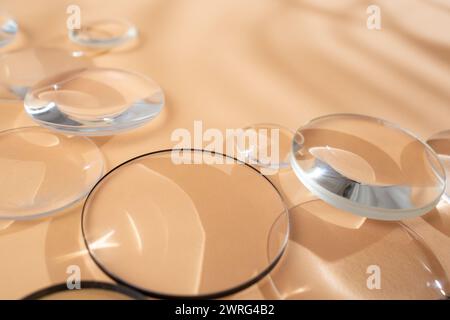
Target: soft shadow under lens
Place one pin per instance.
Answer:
(184, 223)
(367, 166)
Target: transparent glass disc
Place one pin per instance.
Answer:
(19, 70)
(187, 223)
(94, 101)
(108, 33)
(440, 143)
(329, 258)
(367, 166)
(265, 145)
(8, 29)
(90, 290)
(42, 172)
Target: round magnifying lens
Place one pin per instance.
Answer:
(367, 260)
(185, 223)
(89, 290)
(42, 172)
(8, 29)
(367, 166)
(19, 70)
(94, 101)
(440, 143)
(265, 145)
(108, 33)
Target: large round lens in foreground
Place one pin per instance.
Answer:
(42, 172)
(185, 223)
(367, 166)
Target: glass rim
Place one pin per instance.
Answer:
(107, 286)
(378, 213)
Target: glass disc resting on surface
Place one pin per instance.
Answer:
(265, 145)
(370, 260)
(94, 101)
(42, 172)
(440, 143)
(108, 33)
(367, 166)
(19, 70)
(173, 229)
(439, 217)
(8, 29)
(90, 290)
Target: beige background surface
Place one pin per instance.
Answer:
(233, 63)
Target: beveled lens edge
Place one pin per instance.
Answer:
(70, 204)
(354, 207)
(445, 134)
(62, 287)
(214, 295)
(4, 43)
(95, 131)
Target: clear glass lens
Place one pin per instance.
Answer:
(367, 166)
(265, 145)
(42, 172)
(94, 101)
(104, 33)
(332, 256)
(89, 290)
(19, 70)
(8, 29)
(440, 143)
(185, 223)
